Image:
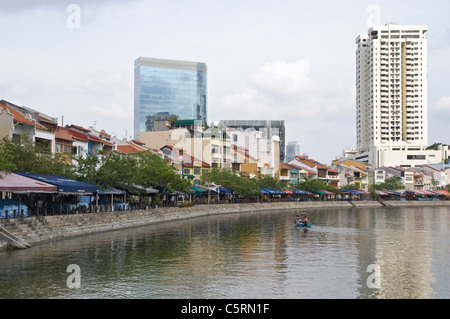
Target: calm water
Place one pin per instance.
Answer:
(257, 255)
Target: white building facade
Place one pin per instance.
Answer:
(392, 95)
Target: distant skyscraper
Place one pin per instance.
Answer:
(292, 149)
(168, 87)
(391, 92)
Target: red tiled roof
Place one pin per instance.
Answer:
(19, 117)
(138, 147)
(78, 135)
(79, 128)
(138, 142)
(95, 139)
(103, 133)
(127, 149)
(285, 166)
(438, 170)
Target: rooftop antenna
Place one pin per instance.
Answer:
(95, 125)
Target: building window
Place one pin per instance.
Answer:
(416, 157)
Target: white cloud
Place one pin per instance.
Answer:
(444, 103)
(282, 78)
(113, 112)
(314, 114)
(94, 87)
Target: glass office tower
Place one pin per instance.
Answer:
(163, 88)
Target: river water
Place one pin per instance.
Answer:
(348, 253)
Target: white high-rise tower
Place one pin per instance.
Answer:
(391, 95)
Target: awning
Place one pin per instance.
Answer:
(351, 191)
(270, 191)
(197, 190)
(381, 193)
(10, 182)
(307, 193)
(111, 190)
(211, 189)
(443, 192)
(289, 192)
(394, 193)
(299, 191)
(137, 189)
(224, 190)
(275, 191)
(64, 184)
(323, 192)
(421, 192)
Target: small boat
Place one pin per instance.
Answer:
(301, 225)
(299, 222)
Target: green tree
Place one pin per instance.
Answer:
(153, 170)
(172, 119)
(352, 186)
(243, 186)
(265, 181)
(314, 184)
(390, 184)
(116, 169)
(6, 158)
(23, 155)
(86, 167)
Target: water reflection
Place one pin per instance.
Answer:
(257, 255)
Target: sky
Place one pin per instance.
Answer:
(286, 60)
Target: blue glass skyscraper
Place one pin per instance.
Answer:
(168, 87)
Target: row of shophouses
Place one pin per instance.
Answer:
(192, 150)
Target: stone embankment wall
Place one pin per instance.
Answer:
(47, 228)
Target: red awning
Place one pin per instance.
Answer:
(443, 192)
(10, 182)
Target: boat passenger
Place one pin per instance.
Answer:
(305, 221)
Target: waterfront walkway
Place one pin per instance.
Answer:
(37, 229)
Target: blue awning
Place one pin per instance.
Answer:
(270, 191)
(64, 184)
(275, 191)
(351, 191)
(224, 190)
(298, 191)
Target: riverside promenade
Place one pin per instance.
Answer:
(35, 230)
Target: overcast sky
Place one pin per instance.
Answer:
(271, 60)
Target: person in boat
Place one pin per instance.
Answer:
(305, 221)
